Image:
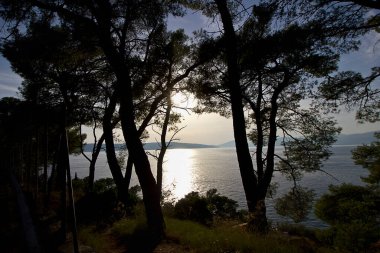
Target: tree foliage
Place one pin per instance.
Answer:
(296, 204)
(204, 209)
(352, 210)
(346, 20)
(267, 74)
(368, 156)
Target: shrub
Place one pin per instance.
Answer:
(220, 205)
(296, 204)
(193, 207)
(202, 209)
(352, 211)
(297, 230)
(103, 206)
(355, 236)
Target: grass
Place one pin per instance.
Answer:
(96, 240)
(188, 236)
(225, 239)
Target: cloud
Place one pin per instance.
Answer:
(9, 83)
(8, 88)
(366, 57)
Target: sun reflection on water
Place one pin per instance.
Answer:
(178, 172)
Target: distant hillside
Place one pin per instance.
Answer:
(343, 139)
(155, 145)
(231, 144)
(176, 145)
(355, 139)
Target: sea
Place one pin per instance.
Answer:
(187, 170)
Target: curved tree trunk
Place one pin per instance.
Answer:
(135, 147)
(110, 151)
(242, 149)
(94, 158)
(136, 150)
(164, 145)
(128, 172)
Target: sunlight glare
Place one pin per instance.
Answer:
(182, 100)
(178, 172)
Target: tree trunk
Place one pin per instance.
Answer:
(128, 172)
(123, 88)
(46, 158)
(61, 177)
(136, 150)
(242, 149)
(94, 158)
(135, 147)
(164, 146)
(110, 151)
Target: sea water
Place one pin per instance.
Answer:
(187, 170)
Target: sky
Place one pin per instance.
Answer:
(212, 128)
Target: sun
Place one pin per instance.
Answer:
(182, 100)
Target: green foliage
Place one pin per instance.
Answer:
(226, 239)
(368, 156)
(296, 204)
(102, 206)
(352, 211)
(104, 184)
(75, 141)
(307, 153)
(352, 90)
(326, 236)
(347, 203)
(202, 209)
(91, 237)
(356, 236)
(193, 207)
(125, 227)
(296, 230)
(221, 206)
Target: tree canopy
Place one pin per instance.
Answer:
(271, 67)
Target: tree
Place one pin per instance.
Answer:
(264, 72)
(345, 20)
(368, 156)
(125, 33)
(352, 211)
(56, 72)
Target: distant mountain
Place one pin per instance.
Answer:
(155, 145)
(231, 144)
(355, 139)
(176, 145)
(343, 139)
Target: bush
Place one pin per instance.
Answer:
(103, 206)
(297, 230)
(352, 211)
(296, 204)
(220, 205)
(203, 209)
(97, 207)
(346, 203)
(193, 207)
(355, 236)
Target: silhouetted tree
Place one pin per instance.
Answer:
(345, 20)
(123, 31)
(265, 71)
(352, 210)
